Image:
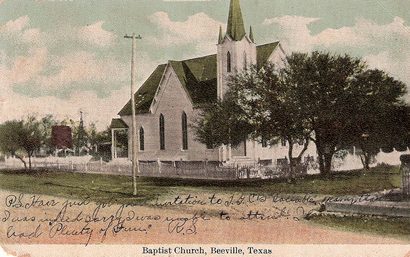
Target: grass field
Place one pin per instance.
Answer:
(396, 227)
(108, 188)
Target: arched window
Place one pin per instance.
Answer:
(161, 132)
(142, 142)
(228, 62)
(245, 61)
(184, 131)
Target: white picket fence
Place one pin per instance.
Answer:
(177, 169)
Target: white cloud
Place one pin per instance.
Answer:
(93, 81)
(82, 67)
(364, 34)
(25, 68)
(198, 29)
(294, 32)
(15, 25)
(94, 34)
(387, 61)
(19, 31)
(96, 109)
(387, 45)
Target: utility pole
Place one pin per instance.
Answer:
(134, 158)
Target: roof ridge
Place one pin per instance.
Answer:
(268, 43)
(196, 58)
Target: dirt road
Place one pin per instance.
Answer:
(28, 219)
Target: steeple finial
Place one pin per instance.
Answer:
(235, 29)
(251, 34)
(220, 39)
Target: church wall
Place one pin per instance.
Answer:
(172, 100)
(278, 57)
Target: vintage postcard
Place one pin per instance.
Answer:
(204, 128)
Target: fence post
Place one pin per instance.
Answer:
(58, 164)
(206, 167)
(72, 165)
(101, 163)
(159, 165)
(182, 166)
(86, 167)
(405, 172)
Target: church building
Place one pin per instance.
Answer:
(171, 98)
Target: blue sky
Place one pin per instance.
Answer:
(63, 56)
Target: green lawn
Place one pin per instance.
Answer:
(109, 188)
(395, 227)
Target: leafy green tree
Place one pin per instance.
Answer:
(270, 107)
(222, 123)
(10, 140)
(342, 100)
(17, 137)
(334, 101)
(92, 137)
(46, 124)
(391, 130)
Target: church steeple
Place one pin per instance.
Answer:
(235, 50)
(236, 28)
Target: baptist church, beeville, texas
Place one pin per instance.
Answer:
(171, 97)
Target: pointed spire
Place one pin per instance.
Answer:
(235, 29)
(251, 34)
(220, 39)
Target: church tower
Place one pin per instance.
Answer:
(236, 50)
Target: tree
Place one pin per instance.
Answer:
(334, 101)
(342, 100)
(381, 116)
(10, 143)
(21, 136)
(46, 124)
(79, 135)
(221, 123)
(270, 107)
(92, 137)
(390, 130)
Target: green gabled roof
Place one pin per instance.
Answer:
(264, 51)
(118, 124)
(198, 76)
(145, 94)
(235, 28)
